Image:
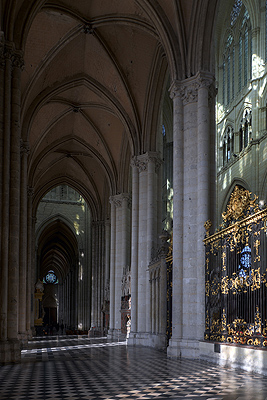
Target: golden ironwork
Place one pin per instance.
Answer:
(239, 203)
(236, 279)
(207, 226)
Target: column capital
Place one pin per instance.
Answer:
(187, 89)
(17, 60)
(119, 198)
(141, 162)
(24, 148)
(8, 52)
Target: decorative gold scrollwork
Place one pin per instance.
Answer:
(238, 204)
(207, 226)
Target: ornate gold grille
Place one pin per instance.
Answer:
(236, 274)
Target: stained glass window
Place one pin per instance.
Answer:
(50, 277)
(228, 78)
(246, 57)
(240, 53)
(233, 74)
(235, 11)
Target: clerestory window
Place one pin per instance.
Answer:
(236, 55)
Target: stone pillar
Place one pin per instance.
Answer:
(178, 200)
(107, 252)
(23, 282)
(112, 267)
(93, 312)
(193, 189)
(29, 255)
(6, 68)
(12, 63)
(30, 272)
(143, 278)
(14, 204)
(134, 252)
(205, 188)
(152, 165)
(121, 253)
(144, 237)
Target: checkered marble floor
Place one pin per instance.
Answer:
(82, 368)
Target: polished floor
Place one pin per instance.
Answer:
(82, 368)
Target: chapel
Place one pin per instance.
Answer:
(133, 175)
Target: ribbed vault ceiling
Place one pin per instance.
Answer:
(92, 84)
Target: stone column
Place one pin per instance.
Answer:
(23, 282)
(206, 188)
(30, 253)
(14, 203)
(143, 278)
(6, 63)
(134, 252)
(93, 312)
(178, 200)
(121, 219)
(107, 252)
(153, 163)
(112, 267)
(191, 208)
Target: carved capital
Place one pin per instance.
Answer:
(18, 61)
(175, 89)
(142, 161)
(119, 198)
(30, 191)
(8, 52)
(116, 200)
(188, 88)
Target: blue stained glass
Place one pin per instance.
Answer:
(51, 277)
(245, 261)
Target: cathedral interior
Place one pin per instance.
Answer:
(133, 177)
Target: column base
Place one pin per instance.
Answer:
(252, 360)
(186, 348)
(10, 351)
(115, 334)
(158, 341)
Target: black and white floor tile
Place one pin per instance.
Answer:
(72, 368)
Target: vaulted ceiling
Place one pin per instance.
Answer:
(93, 81)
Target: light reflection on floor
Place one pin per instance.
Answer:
(96, 368)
